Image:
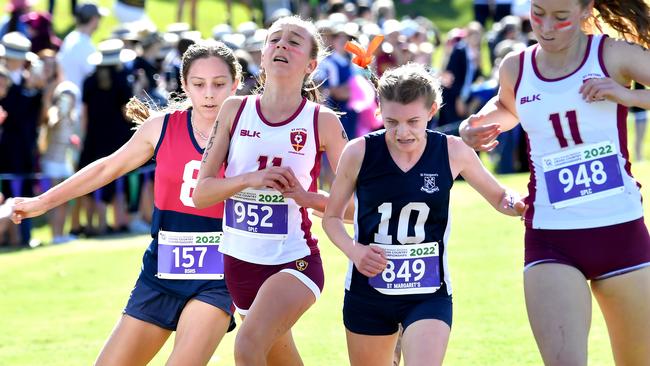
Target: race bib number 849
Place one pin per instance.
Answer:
(411, 269)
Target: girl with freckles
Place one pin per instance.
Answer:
(585, 230)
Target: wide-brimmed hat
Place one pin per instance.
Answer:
(15, 45)
(177, 28)
(111, 52)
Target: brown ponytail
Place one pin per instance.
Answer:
(630, 18)
(137, 111)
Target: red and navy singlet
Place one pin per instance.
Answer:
(178, 159)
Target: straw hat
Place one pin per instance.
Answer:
(111, 52)
(16, 46)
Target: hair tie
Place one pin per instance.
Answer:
(363, 58)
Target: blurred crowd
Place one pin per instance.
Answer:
(62, 101)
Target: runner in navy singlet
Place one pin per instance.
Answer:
(401, 178)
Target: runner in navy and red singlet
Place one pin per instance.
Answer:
(585, 219)
(401, 179)
(272, 144)
(181, 286)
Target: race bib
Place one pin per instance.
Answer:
(583, 173)
(257, 213)
(189, 256)
(411, 269)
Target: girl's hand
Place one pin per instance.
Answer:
(26, 207)
(479, 137)
(600, 89)
(512, 204)
(369, 260)
(278, 178)
(298, 194)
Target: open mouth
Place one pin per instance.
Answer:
(546, 38)
(280, 59)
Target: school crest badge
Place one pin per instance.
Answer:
(298, 138)
(429, 185)
(301, 265)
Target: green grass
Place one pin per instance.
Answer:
(59, 303)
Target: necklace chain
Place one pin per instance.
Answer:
(201, 134)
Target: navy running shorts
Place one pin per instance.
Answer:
(164, 310)
(381, 315)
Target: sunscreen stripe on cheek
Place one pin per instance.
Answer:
(563, 25)
(537, 20)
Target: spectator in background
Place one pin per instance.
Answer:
(464, 68)
(41, 32)
(335, 73)
(131, 11)
(5, 207)
(383, 10)
(509, 28)
(73, 6)
(390, 55)
(249, 82)
(181, 8)
(12, 22)
(77, 45)
(22, 104)
(495, 9)
(172, 66)
(145, 68)
(48, 72)
(274, 10)
(60, 138)
(105, 94)
(5, 83)
(73, 61)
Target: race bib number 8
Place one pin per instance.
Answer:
(581, 174)
(190, 256)
(411, 269)
(257, 213)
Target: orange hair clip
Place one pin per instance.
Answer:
(363, 58)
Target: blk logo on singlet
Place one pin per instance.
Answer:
(530, 99)
(429, 185)
(298, 138)
(249, 133)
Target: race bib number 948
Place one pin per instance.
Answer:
(583, 173)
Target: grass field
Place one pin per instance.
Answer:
(59, 303)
